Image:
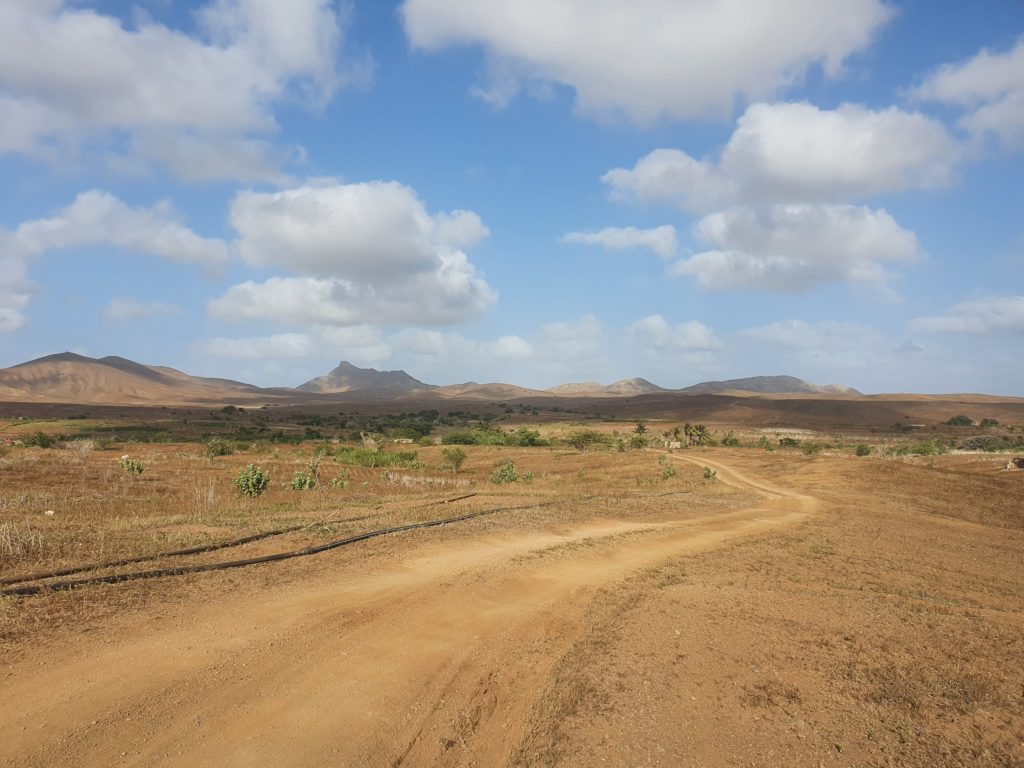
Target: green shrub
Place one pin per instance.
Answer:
(581, 439)
(863, 450)
(40, 440)
(812, 449)
(667, 469)
(453, 458)
(217, 446)
(252, 481)
(731, 440)
(505, 472)
(341, 481)
(709, 473)
(638, 442)
(367, 457)
(789, 442)
(461, 437)
(959, 421)
(133, 467)
(765, 443)
(990, 422)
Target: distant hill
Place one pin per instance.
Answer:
(768, 385)
(623, 388)
(350, 378)
(72, 378)
(493, 391)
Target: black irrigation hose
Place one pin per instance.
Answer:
(189, 550)
(181, 570)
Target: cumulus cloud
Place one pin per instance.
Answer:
(133, 309)
(71, 76)
(97, 218)
(662, 240)
(650, 58)
(989, 86)
(792, 248)
(656, 334)
(365, 253)
(361, 344)
(996, 314)
(796, 152)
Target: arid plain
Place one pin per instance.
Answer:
(815, 580)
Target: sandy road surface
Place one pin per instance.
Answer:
(435, 658)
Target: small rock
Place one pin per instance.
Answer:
(49, 513)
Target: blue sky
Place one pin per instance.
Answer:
(532, 192)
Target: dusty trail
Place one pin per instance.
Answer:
(435, 659)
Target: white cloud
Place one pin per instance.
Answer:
(662, 240)
(980, 316)
(281, 345)
(792, 248)
(99, 218)
(990, 86)
(454, 348)
(649, 58)
(72, 76)
(657, 335)
(365, 253)
(132, 309)
(96, 218)
(361, 344)
(798, 153)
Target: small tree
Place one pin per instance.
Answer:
(640, 428)
(453, 458)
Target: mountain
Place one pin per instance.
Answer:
(350, 378)
(768, 385)
(71, 378)
(623, 388)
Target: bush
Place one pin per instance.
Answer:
(367, 457)
(667, 470)
(341, 481)
(505, 472)
(582, 439)
(959, 421)
(252, 481)
(133, 467)
(453, 458)
(990, 422)
(461, 437)
(301, 481)
(638, 442)
(863, 450)
(812, 449)
(709, 473)
(765, 443)
(217, 446)
(992, 443)
(40, 440)
(731, 441)
(789, 442)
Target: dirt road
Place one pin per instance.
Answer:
(440, 656)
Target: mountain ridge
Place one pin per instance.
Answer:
(71, 377)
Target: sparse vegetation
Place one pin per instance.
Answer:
(863, 450)
(710, 474)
